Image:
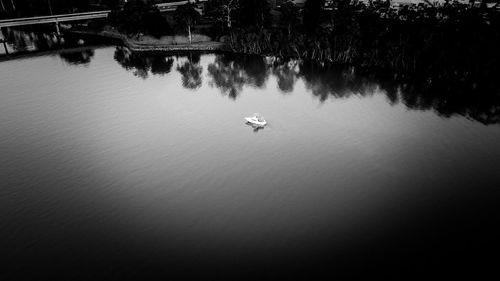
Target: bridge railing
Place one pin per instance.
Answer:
(54, 18)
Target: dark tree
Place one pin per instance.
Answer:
(254, 13)
(112, 4)
(313, 10)
(290, 16)
(187, 16)
(223, 11)
(140, 17)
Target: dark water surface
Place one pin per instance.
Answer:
(133, 166)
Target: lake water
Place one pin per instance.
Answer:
(120, 165)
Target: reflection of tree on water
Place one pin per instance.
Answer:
(226, 76)
(445, 97)
(449, 98)
(133, 61)
(255, 69)
(77, 57)
(339, 82)
(286, 73)
(230, 73)
(141, 64)
(25, 40)
(21, 40)
(191, 71)
(161, 65)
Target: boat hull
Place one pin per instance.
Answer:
(254, 121)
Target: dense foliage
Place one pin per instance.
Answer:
(140, 17)
(451, 42)
(187, 16)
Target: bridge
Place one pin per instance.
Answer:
(163, 7)
(54, 19)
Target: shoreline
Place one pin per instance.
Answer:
(152, 47)
(137, 46)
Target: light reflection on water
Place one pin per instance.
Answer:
(146, 166)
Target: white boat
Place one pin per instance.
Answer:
(256, 119)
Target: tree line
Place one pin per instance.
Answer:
(453, 42)
(427, 44)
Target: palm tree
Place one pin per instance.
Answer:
(3, 6)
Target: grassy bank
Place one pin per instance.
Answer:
(165, 43)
